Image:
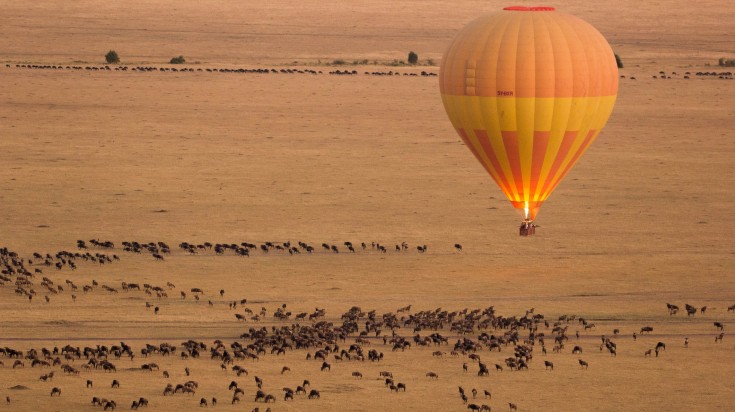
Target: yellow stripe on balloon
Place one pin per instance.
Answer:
(568, 122)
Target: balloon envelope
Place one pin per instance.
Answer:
(528, 90)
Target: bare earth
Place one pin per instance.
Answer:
(207, 156)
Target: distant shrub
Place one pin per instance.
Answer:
(413, 58)
(430, 62)
(726, 62)
(339, 62)
(112, 57)
(618, 61)
(178, 60)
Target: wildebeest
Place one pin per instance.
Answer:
(549, 365)
(691, 310)
(583, 364)
(56, 391)
(314, 394)
(432, 375)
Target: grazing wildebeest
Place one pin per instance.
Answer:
(549, 365)
(488, 395)
(647, 353)
(691, 310)
(646, 329)
(719, 337)
(583, 364)
(109, 406)
(659, 347)
(512, 406)
(577, 349)
(458, 247)
(326, 366)
(314, 394)
(673, 309)
(432, 375)
(719, 325)
(203, 402)
(285, 369)
(56, 391)
(89, 383)
(115, 383)
(473, 407)
(357, 375)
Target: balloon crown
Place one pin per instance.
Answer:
(524, 8)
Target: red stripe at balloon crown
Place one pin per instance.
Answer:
(524, 8)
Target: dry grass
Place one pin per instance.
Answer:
(642, 220)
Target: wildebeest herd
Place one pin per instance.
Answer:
(473, 343)
(169, 69)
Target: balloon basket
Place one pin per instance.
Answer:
(527, 228)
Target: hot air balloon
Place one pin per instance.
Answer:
(528, 89)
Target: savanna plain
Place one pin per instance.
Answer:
(146, 159)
